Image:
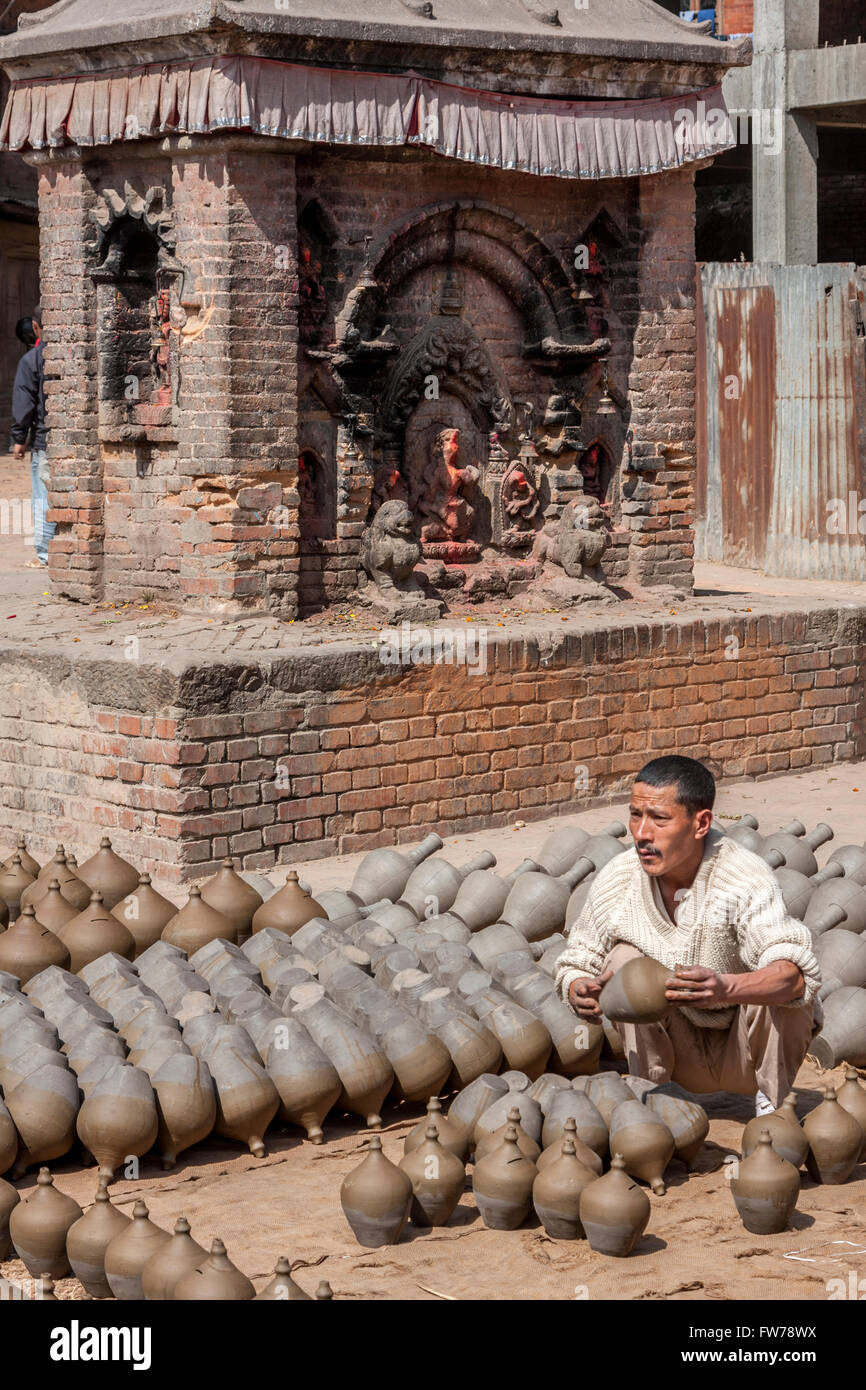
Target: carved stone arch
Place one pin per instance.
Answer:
(448, 352)
(492, 240)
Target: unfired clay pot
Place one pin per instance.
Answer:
(787, 1135)
(841, 955)
(54, 910)
(687, 1121)
(129, 1251)
(765, 1189)
(384, 873)
(282, 1287)
(590, 1126)
(118, 1119)
(467, 1108)
(614, 1211)
(246, 1097)
(437, 1177)
(835, 1140)
(106, 873)
(798, 849)
(28, 863)
(197, 924)
(89, 1238)
(8, 1140)
(8, 1200)
(852, 1097)
(171, 1260)
(145, 914)
(185, 1105)
(432, 887)
(28, 948)
(71, 886)
(843, 1034)
(14, 882)
(452, 1137)
(233, 897)
(797, 889)
(536, 904)
(587, 1156)
(502, 1184)
(556, 1193)
(216, 1280)
(607, 1090)
(636, 994)
(841, 894)
(485, 1143)
(525, 1041)
(851, 860)
(645, 1144)
(306, 1081)
(376, 1197)
(365, 1073)
(39, 1226)
(287, 910)
(43, 1107)
(93, 933)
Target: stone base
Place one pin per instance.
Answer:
(559, 590)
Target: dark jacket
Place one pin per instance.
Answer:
(28, 400)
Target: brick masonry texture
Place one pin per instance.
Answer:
(330, 750)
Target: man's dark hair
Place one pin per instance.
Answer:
(24, 332)
(695, 784)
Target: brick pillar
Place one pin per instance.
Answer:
(658, 499)
(234, 204)
(69, 307)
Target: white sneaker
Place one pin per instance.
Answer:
(763, 1105)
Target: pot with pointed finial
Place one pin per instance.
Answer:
(452, 1137)
(171, 1260)
(74, 889)
(9, 1199)
(587, 1156)
(287, 910)
(129, 1251)
(687, 1121)
(765, 1189)
(105, 872)
(852, 1097)
(43, 1106)
(89, 1238)
(644, 1142)
(28, 863)
(787, 1135)
(502, 1184)
(55, 910)
(196, 924)
(282, 1287)
(39, 1228)
(835, 1140)
(215, 1280)
(145, 914)
(93, 933)
(186, 1105)
(556, 1193)
(636, 993)
(437, 1177)
(14, 882)
(614, 1211)
(487, 1141)
(28, 947)
(118, 1120)
(233, 897)
(376, 1197)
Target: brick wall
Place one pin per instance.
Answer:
(182, 769)
(734, 16)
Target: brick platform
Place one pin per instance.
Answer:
(315, 746)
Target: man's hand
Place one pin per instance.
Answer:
(583, 996)
(18, 451)
(697, 987)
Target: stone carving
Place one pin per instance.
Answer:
(444, 503)
(115, 219)
(561, 423)
(520, 505)
(448, 356)
(389, 554)
(574, 544)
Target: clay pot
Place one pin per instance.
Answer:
(196, 924)
(246, 1097)
(54, 910)
(499, 1112)
(607, 1090)
(216, 1280)
(234, 898)
(366, 1075)
(474, 1048)
(852, 1097)
(839, 894)
(384, 873)
(185, 1105)
(589, 1125)
(467, 1108)
(536, 904)
(307, 1083)
(851, 860)
(486, 1142)
(482, 895)
(636, 994)
(14, 882)
(89, 1238)
(93, 933)
(8, 1140)
(376, 1198)
(8, 1200)
(58, 858)
(432, 887)
(687, 1121)
(283, 1287)
(644, 1142)
(843, 1033)
(287, 910)
(39, 1226)
(556, 1193)
(786, 1133)
(170, 1262)
(841, 955)
(145, 914)
(614, 1211)
(129, 1251)
(28, 863)
(422, 1064)
(797, 889)
(437, 1177)
(118, 1119)
(502, 1184)
(798, 849)
(106, 873)
(451, 1136)
(74, 889)
(526, 1043)
(587, 1156)
(43, 1107)
(765, 1189)
(28, 948)
(744, 833)
(835, 1140)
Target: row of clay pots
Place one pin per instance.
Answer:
(128, 1259)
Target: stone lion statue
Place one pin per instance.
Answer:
(577, 541)
(390, 551)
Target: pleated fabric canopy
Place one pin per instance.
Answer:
(562, 139)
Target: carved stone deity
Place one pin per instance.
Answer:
(389, 554)
(574, 544)
(444, 504)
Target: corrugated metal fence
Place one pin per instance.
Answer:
(781, 471)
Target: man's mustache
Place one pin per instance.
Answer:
(648, 849)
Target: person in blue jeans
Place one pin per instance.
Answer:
(28, 425)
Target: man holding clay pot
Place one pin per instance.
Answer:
(743, 977)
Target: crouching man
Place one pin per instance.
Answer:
(743, 974)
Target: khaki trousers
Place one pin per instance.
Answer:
(762, 1050)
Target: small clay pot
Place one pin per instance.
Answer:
(644, 1142)
(282, 1287)
(28, 863)
(74, 889)
(14, 882)
(9, 1199)
(216, 1280)
(118, 1120)
(89, 1238)
(587, 1156)
(39, 1228)
(437, 1177)
(556, 1193)
(128, 1253)
(687, 1121)
(288, 910)
(145, 914)
(28, 948)
(197, 924)
(384, 873)
(54, 910)
(636, 994)
(851, 1096)
(614, 1211)
(451, 1136)
(376, 1197)
(487, 1141)
(502, 1184)
(787, 1135)
(93, 933)
(106, 873)
(765, 1189)
(172, 1259)
(835, 1140)
(233, 897)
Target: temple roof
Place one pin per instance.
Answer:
(626, 29)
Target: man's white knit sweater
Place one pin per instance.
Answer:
(732, 920)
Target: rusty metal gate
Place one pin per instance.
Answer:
(781, 379)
